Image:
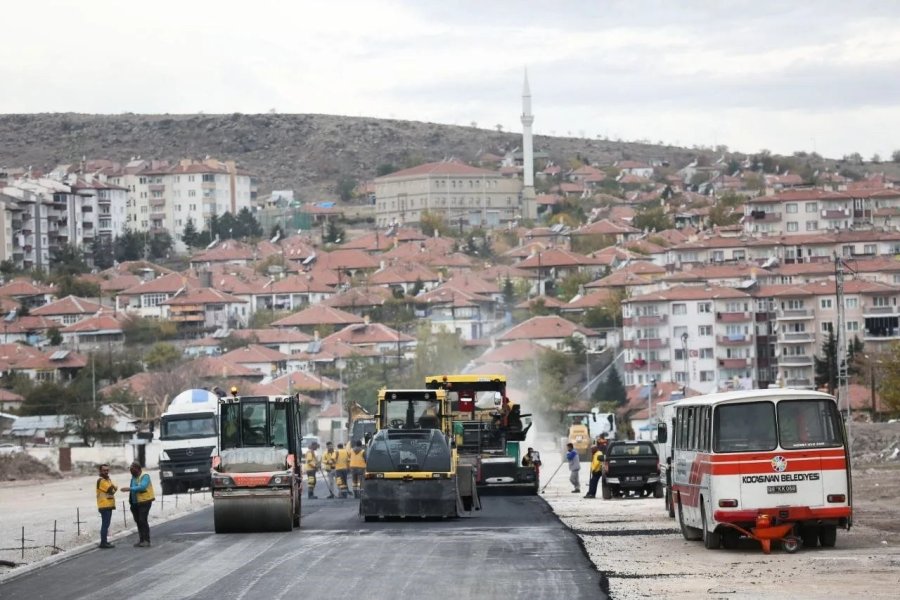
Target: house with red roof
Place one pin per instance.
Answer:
(145, 299)
(389, 342)
(203, 308)
(405, 277)
(554, 264)
(513, 353)
(39, 365)
(227, 252)
(264, 360)
(104, 329)
(453, 308)
(360, 300)
(316, 316)
(286, 341)
(551, 332)
(68, 310)
(293, 292)
(27, 293)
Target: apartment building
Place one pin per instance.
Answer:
(164, 197)
(465, 196)
(811, 210)
(702, 337)
(804, 316)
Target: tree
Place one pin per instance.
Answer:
(7, 267)
(248, 225)
(227, 227)
(509, 293)
(572, 285)
(345, 187)
(611, 389)
(102, 252)
(189, 234)
(388, 168)
(69, 285)
(69, 260)
(160, 244)
(895, 156)
(431, 222)
(889, 383)
(721, 215)
(333, 233)
(826, 367)
(54, 336)
(162, 355)
(129, 246)
(654, 218)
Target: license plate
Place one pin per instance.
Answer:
(192, 470)
(633, 478)
(782, 489)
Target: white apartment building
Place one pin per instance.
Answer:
(804, 211)
(806, 314)
(701, 337)
(462, 194)
(165, 197)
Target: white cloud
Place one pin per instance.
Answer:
(696, 72)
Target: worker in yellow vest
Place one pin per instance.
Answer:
(311, 464)
(329, 460)
(357, 466)
(342, 469)
(106, 503)
(140, 497)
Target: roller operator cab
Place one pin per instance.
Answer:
(187, 435)
(256, 473)
(412, 469)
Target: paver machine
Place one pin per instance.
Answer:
(488, 430)
(411, 468)
(256, 473)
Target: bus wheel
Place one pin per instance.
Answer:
(670, 506)
(730, 538)
(689, 533)
(711, 539)
(828, 536)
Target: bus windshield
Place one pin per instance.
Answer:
(808, 424)
(746, 427)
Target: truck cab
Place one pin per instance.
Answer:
(188, 437)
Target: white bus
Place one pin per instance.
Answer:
(778, 452)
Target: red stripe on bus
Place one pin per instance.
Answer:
(795, 513)
(763, 467)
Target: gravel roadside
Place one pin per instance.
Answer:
(643, 555)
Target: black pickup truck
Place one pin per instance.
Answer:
(630, 468)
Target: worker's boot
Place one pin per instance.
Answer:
(311, 496)
(356, 493)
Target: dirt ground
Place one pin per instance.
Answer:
(642, 554)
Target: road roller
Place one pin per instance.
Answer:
(256, 473)
(411, 466)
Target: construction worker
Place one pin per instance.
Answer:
(357, 466)
(597, 452)
(342, 469)
(311, 464)
(106, 504)
(329, 462)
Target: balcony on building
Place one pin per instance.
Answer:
(208, 185)
(884, 327)
(646, 343)
(836, 213)
(157, 201)
(799, 382)
(872, 310)
(734, 340)
(790, 314)
(638, 365)
(734, 317)
(796, 337)
(157, 187)
(645, 320)
(187, 313)
(734, 363)
(796, 360)
(761, 216)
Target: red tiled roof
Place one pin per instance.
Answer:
(689, 293)
(405, 273)
(556, 257)
(70, 305)
(202, 296)
(606, 227)
(545, 327)
(369, 333)
(318, 314)
(23, 287)
(167, 284)
(360, 297)
(254, 353)
(517, 351)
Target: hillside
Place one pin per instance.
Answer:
(307, 153)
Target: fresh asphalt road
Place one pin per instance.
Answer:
(514, 548)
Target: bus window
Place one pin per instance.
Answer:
(746, 427)
(704, 429)
(808, 424)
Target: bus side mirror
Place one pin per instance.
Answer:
(661, 433)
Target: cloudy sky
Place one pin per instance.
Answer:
(817, 76)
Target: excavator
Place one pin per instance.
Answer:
(412, 470)
(488, 429)
(256, 471)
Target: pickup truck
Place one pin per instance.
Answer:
(630, 467)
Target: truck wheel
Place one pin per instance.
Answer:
(809, 536)
(168, 488)
(828, 536)
(658, 491)
(605, 491)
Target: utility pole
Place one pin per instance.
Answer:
(93, 382)
(843, 379)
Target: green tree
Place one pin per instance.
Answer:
(69, 260)
(7, 267)
(54, 336)
(345, 187)
(227, 227)
(826, 369)
(721, 215)
(68, 285)
(509, 293)
(129, 246)
(895, 156)
(889, 384)
(161, 356)
(571, 285)
(190, 234)
(388, 168)
(248, 224)
(585, 244)
(333, 233)
(653, 218)
(430, 222)
(159, 244)
(611, 390)
(103, 252)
